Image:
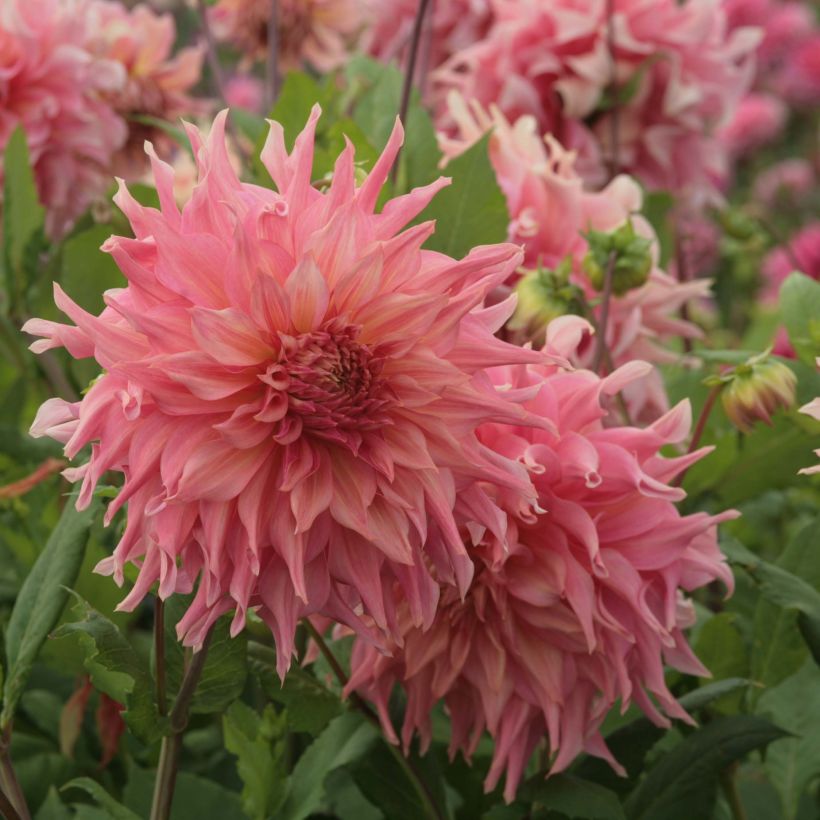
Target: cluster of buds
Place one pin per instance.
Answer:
(755, 390)
(544, 294)
(628, 253)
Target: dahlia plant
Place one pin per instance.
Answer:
(409, 409)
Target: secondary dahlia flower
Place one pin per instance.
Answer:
(812, 409)
(291, 389)
(758, 121)
(802, 254)
(684, 73)
(551, 209)
(157, 81)
(317, 32)
(585, 605)
(53, 88)
(788, 182)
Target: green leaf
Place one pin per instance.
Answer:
(574, 797)
(23, 215)
(86, 271)
(117, 670)
(116, 810)
(310, 706)
(260, 746)
(42, 599)
(472, 210)
(346, 739)
(800, 307)
(682, 785)
(53, 808)
(722, 650)
(793, 762)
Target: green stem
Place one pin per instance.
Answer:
(169, 755)
(729, 786)
(705, 412)
(600, 342)
(409, 767)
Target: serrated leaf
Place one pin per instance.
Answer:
(346, 739)
(112, 807)
(472, 210)
(310, 706)
(260, 748)
(573, 797)
(683, 783)
(800, 308)
(42, 599)
(117, 670)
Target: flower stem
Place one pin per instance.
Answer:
(614, 122)
(600, 342)
(272, 73)
(682, 265)
(729, 786)
(7, 810)
(210, 50)
(409, 767)
(9, 784)
(172, 744)
(410, 70)
(159, 654)
(705, 412)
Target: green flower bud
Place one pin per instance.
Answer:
(756, 389)
(633, 258)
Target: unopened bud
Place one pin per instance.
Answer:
(756, 389)
(632, 258)
(543, 295)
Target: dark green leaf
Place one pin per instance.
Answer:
(259, 745)
(346, 739)
(682, 785)
(117, 670)
(800, 307)
(573, 797)
(87, 271)
(42, 599)
(472, 210)
(53, 808)
(116, 810)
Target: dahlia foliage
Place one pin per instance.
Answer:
(430, 427)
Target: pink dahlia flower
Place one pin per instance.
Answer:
(684, 73)
(244, 91)
(53, 88)
(158, 83)
(801, 76)
(758, 121)
(317, 32)
(291, 389)
(550, 211)
(802, 254)
(789, 181)
(585, 605)
(450, 27)
(812, 409)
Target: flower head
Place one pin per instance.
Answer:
(802, 254)
(587, 603)
(758, 121)
(53, 88)
(684, 73)
(291, 390)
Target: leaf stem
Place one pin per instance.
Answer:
(409, 767)
(169, 755)
(729, 786)
(410, 70)
(600, 342)
(272, 73)
(697, 435)
(9, 784)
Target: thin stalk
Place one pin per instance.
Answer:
(705, 412)
(159, 654)
(614, 120)
(729, 786)
(169, 755)
(8, 778)
(409, 767)
(683, 276)
(600, 342)
(409, 71)
(210, 51)
(272, 73)
(7, 809)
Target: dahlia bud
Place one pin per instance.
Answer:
(543, 295)
(756, 389)
(633, 258)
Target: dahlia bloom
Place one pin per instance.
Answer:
(550, 211)
(790, 181)
(802, 254)
(244, 91)
(584, 606)
(157, 82)
(801, 76)
(551, 60)
(450, 27)
(55, 90)
(291, 390)
(758, 121)
(317, 32)
(812, 409)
